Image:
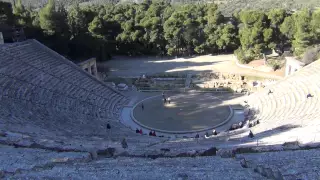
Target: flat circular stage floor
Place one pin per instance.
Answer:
(186, 112)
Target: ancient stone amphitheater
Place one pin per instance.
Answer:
(54, 116)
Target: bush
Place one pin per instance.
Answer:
(275, 64)
(244, 57)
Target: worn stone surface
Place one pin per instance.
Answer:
(14, 159)
(52, 115)
(226, 153)
(299, 164)
(145, 168)
(243, 163)
(210, 152)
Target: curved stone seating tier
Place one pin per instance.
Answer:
(288, 105)
(41, 89)
(302, 164)
(51, 106)
(143, 168)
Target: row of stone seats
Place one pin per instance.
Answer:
(144, 168)
(288, 103)
(300, 164)
(29, 159)
(285, 109)
(39, 89)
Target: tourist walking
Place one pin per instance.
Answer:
(142, 106)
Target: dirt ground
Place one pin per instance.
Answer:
(128, 67)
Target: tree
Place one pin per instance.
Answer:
(96, 28)
(267, 37)
(153, 26)
(288, 27)
(276, 18)
(22, 15)
(76, 20)
(47, 18)
(18, 8)
(61, 21)
(173, 33)
(315, 26)
(214, 16)
(254, 34)
(6, 16)
(303, 34)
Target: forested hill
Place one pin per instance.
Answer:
(227, 7)
(160, 28)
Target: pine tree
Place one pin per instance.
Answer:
(47, 18)
(6, 16)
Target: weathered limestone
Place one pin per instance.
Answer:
(90, 66)
(300, 164)
(19, 159)
(144, 168)
(53, 120)
(41, 89)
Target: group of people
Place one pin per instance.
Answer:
(214, 132)
(151, 133)
(139, 131)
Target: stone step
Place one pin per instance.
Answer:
(143, 168)
(292, 164)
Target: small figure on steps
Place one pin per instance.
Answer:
(154, 133)
(270, 92)
(124, 143)
(215, 132)
(251, 134)
(108, 126)
(309, 96)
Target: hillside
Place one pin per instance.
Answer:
(229, 6)
(226, 6)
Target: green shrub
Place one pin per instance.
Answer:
(244, 57)
(275, 64)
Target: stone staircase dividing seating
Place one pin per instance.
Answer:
(148, 169)
(288, 104)
(300, 164)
